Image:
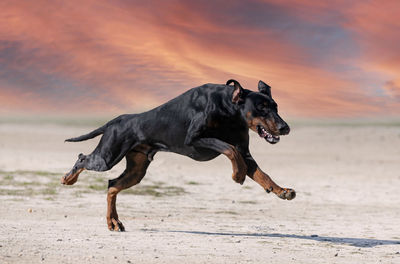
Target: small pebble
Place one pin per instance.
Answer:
(336, 254)
(314, 235)
(65, 216)
(30, 210)
(59, 239)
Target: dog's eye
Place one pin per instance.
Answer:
(261, 107)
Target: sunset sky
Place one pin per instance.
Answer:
(322, 58)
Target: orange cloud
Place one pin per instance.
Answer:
(124, 56)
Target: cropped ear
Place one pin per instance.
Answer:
(237, 95)
(264, 88)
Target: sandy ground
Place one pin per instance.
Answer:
(347, 207)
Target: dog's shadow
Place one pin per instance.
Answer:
(355, 242)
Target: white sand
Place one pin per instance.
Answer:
(347, 208)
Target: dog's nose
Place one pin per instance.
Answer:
(284, 130)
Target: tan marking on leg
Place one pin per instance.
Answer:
(137, 164)
(112, 217)
(70, 179)
(270, 186)
(239, 167)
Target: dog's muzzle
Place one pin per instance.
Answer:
(262, 132)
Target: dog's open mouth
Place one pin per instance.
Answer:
(262, 132)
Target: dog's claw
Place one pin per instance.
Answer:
(241, 183)
(116, 225)
(268, 190)
(287, 194)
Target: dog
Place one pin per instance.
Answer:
(201, 123)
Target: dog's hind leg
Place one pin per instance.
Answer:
(136, 166)
(89, 162)
(72, 176)
(110, 150)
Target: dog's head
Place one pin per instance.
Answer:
(260, 111)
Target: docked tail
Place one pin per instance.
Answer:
(90, 135)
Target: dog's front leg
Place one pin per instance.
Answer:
(269, 185)
(254, 172)
(238, 165)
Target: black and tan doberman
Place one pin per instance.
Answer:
(202, 123)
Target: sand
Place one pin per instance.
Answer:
(347, 207)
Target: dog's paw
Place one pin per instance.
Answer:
(287, 194)
(239, 172)
(239, 177)
(115, 225)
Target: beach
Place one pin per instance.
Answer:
(347, 209)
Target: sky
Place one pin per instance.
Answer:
(321, 58)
